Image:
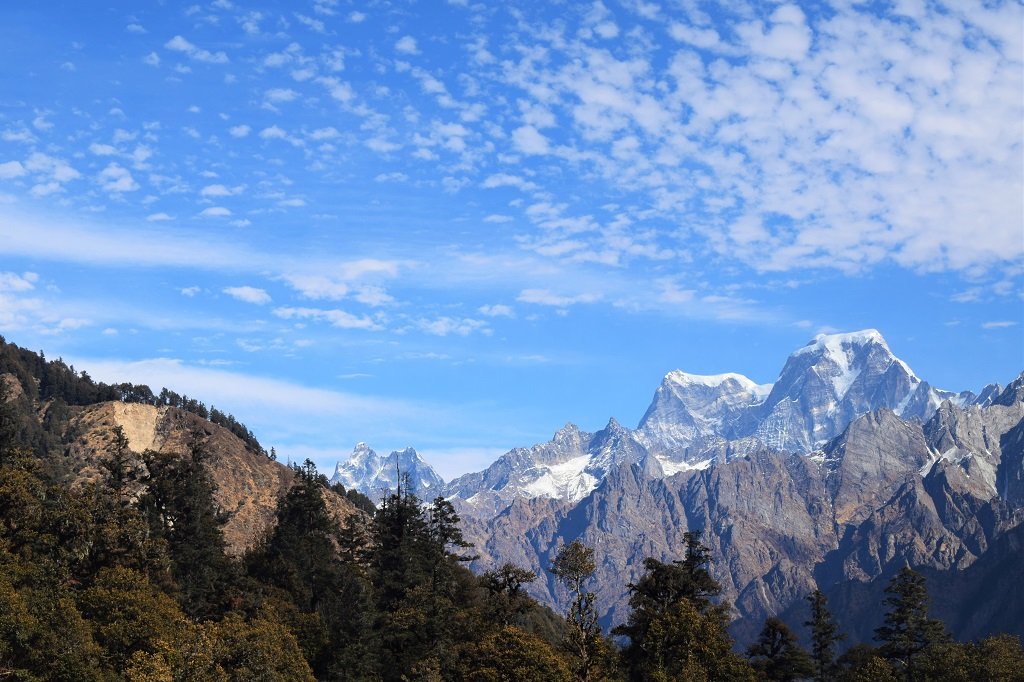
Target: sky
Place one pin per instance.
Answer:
(458, 226)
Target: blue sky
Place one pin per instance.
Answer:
(459, 225)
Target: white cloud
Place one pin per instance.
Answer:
(239, 131)
(11, 281)
(496, 310)
(372, 295)
(117, 179)
(546, 297)
(367, 267)
(318, 286)
(22, 135)
(180, 44)
(81, 241)
(153, 59)
(999, 324)
(248, 294)
(787, 37)
(259, 398)
(407, 45)
(391, 177)
(102, 149)
(314, 25)
(221, 191)
(279, 95)
(328, 133)
(215, 212)
(445, 326)
(11, 169)
(507, 180)
(529, 140)
(190, 291)
(158, 217)
(58, 170)
(335, 317)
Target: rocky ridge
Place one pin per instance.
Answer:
(249, 484)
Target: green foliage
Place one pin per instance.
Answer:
(512, 655)
(862, 663)
(907, 631)
(777, 655)
(824, 636)
(179, 507)
(507, 599)
(675, 630)
(574, 566)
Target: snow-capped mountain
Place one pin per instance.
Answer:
(691, 412)
(694, 421)
(376, 476)
(568, 467)
(827, 384)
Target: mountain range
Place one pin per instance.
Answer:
(844, 469)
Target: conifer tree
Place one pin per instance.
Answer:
(907, 630)
(777, 654)
(675, 630)
(824, 636)
(180, 507)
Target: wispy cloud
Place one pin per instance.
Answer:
(180, 44)
(335, 317)
(248, 294)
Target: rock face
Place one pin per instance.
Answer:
(692, 413)
(845, 469)
(377, 476)
(248, 483)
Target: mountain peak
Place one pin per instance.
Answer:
(371, 474)
(832, 342)
(709, 380)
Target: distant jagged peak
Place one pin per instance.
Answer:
(1013, 393)
(614, 426)
(370, 473)
(568, 433)
(362, 452)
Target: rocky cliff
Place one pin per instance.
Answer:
(249, 484)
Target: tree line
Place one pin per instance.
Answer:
(102, 582)
(57, 382)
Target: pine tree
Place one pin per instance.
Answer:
(908, 631)
(675, 630)
(824, 636)
(777, 654)
(180, 508)
(118, 465)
